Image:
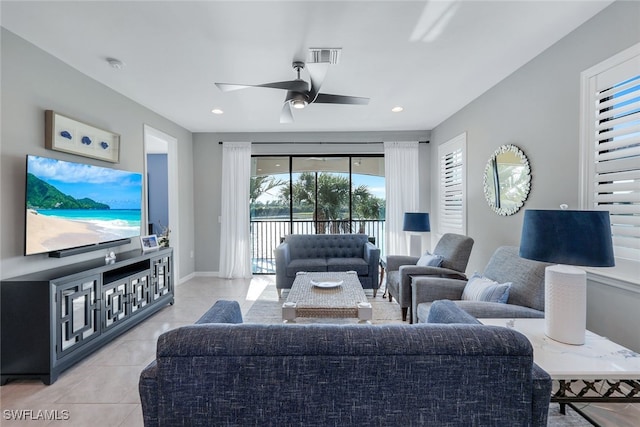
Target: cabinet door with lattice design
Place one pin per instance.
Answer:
(77, 313)
(140, 292)
(114, 302)
(161, 276)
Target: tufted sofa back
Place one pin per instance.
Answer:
(306, 246)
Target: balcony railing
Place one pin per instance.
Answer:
(267, 234)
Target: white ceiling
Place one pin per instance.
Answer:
(431, 57)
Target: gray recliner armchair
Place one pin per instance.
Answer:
(525, 298)
(455, 250)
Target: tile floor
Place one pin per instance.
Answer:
(102, 389)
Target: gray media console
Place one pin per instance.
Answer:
(52, 319)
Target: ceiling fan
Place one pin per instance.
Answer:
(299, 92)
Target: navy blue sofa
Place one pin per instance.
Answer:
(234, 374)
(327, 252)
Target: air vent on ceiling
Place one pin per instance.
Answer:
(324, 54)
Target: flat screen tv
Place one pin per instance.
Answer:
(75, 205)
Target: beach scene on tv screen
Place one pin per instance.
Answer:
(72, 204)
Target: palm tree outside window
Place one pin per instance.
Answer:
(314, 195)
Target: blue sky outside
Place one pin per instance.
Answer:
(117, 188)
(374, 183)
(635, 89)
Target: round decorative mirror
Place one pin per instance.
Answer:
(507, 180)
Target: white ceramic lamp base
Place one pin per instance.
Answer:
(565, 307)
(415, 244)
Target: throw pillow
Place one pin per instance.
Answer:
(480, 288)
(428, 260)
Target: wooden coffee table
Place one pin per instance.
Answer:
(308, 300)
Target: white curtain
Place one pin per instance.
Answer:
(235, 244)
(402, 190)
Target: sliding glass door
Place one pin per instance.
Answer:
(313, 195)
(320, 195)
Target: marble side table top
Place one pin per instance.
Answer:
(599, 358)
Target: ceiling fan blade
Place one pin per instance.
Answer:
(294, 85)
(326, 98)
(228, 87)
(317, 73)
(286, 115)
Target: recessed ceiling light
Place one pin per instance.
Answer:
(115, 63)
(397, 109)
(217, 111)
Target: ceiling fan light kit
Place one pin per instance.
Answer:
(298, 104)
(299, 92)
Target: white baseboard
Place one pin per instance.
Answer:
(186, 278)
(207, 274)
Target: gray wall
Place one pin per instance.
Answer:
(34, 81)
(207, 171)
(537, 108)
(207, 166)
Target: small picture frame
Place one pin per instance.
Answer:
(149, 243)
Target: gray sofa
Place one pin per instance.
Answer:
(327, 252)
(526, 295)
(341, 375)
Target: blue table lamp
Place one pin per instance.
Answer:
(568, 238)
(416, 222)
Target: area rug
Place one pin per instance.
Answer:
(268, 309)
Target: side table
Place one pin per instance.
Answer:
(598, 371)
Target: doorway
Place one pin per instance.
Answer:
(161, 166)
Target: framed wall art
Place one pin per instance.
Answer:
(72, 136)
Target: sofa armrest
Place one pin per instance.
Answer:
(148, 389)
(496, 310)
(372, 257)
(429, 289)
(407, 273)
(395, 261)
(222, 311)
(371, 253)
(541, 395)
(416, 270)
(283, 258)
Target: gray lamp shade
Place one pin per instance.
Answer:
(416, 221)
(567, 237)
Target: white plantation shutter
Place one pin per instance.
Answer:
(611, 146)
(452, 212)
